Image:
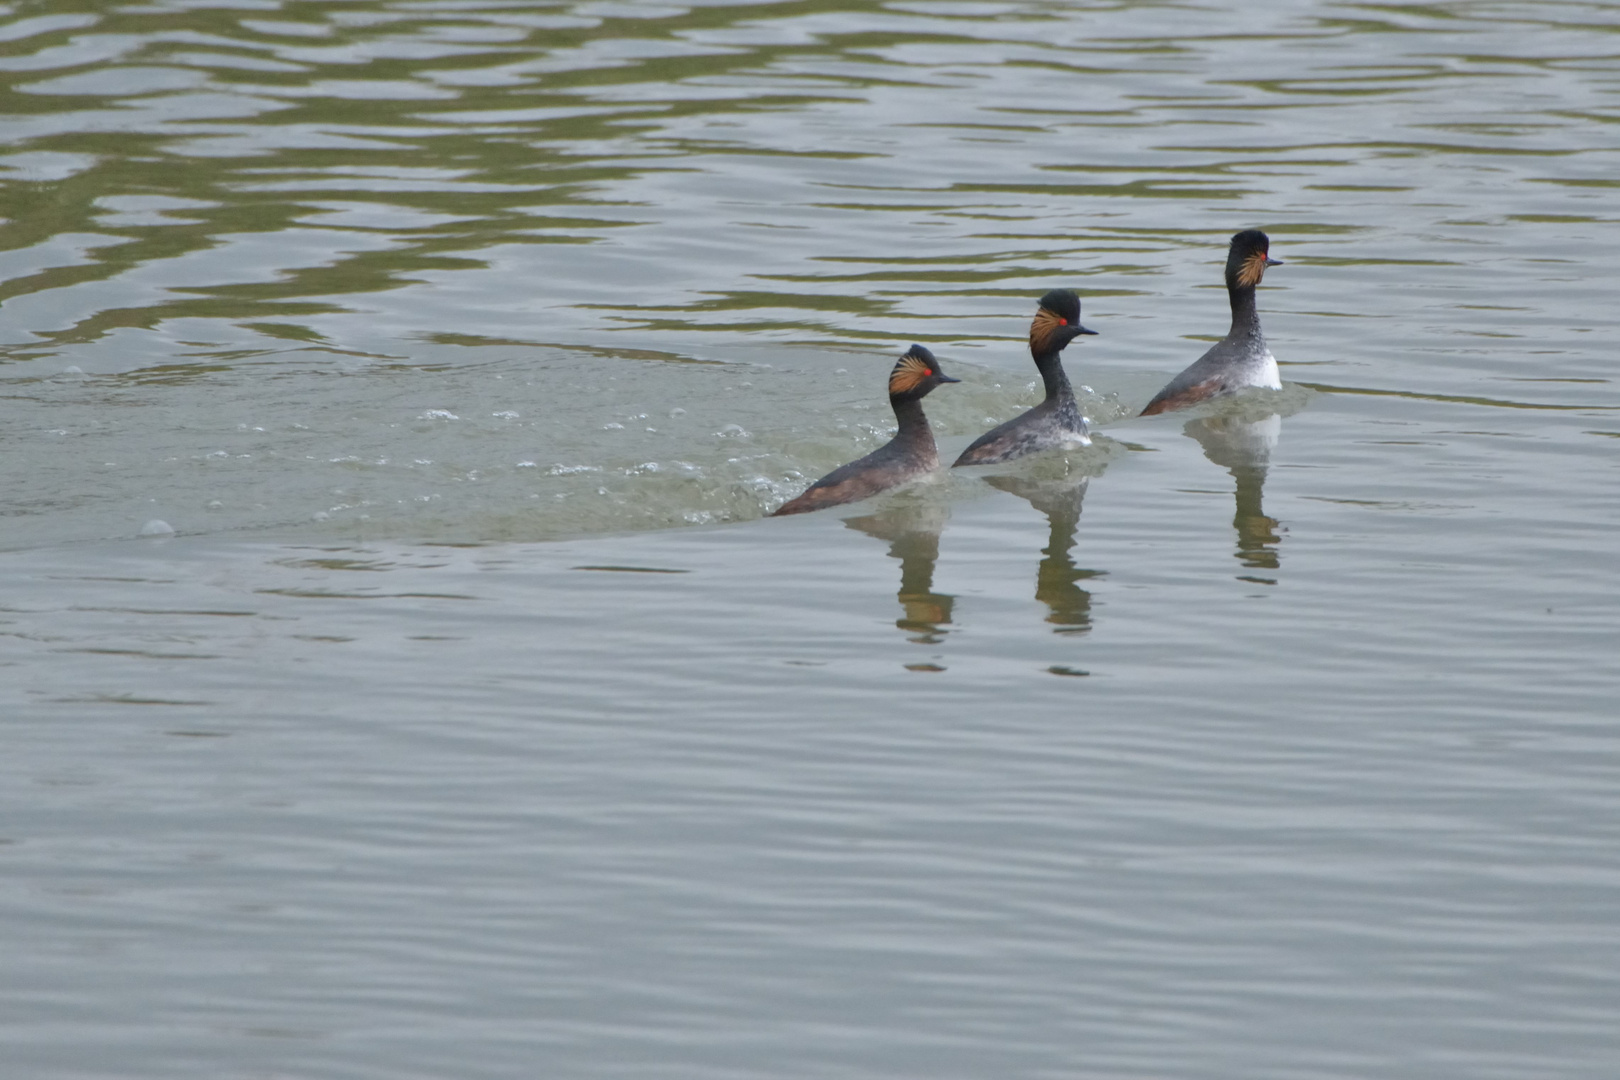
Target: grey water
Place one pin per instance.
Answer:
(398, 677)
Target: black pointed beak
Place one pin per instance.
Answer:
(942, 377)
(1078, 329)
(1273, 262)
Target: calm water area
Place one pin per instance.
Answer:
(400, 677)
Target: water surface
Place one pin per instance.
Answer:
(471, 723)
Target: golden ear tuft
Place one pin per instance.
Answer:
(1040, 331)
(1252, 270)
(908, 374)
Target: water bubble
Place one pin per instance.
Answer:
(157, 527)
(438, 414)
(732, 431)
(676, 413)
(611, 426)
(526, 465)
(505, 414)
(320, 515)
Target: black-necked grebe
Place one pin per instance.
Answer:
(1056, 421)
(1240, 359)
(910, 454)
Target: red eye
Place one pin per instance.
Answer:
(1063, 322)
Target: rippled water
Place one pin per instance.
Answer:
(470, 725)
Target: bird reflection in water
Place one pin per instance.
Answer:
(1057, 582)
(912, 530)
(1242, 444)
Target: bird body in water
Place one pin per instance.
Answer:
(1240, 359)
(1055, 422)
(910, 454)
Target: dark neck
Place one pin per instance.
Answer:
(1052, 373)
(1059, 395)
(914, 430)
(1245, 316)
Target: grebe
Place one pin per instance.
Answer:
(910, 454)
(1240, 359)
(1055, 421)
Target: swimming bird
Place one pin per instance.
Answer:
(1240, 359)
(1055, 421)
(910, 454)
